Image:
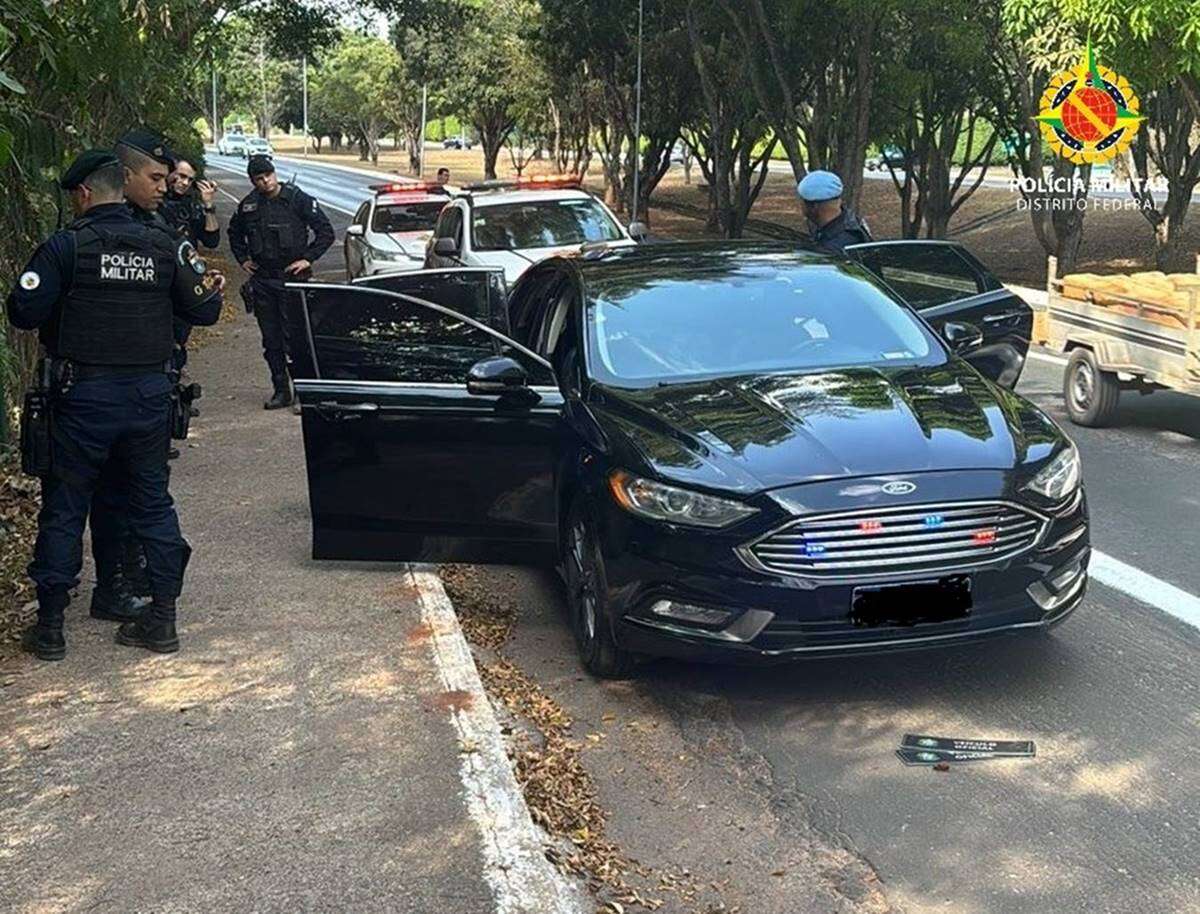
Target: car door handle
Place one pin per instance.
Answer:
(1005, 316)
(344, 412)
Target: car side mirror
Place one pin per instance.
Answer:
(497, 374)
(639, 231)
(445, 247)
(356, 230)
(962, 336)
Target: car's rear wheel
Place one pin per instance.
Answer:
(1091, 395)
(587, 601)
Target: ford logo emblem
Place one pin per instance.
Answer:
(898, 487)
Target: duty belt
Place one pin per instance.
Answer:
(79, 372)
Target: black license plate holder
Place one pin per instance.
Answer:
(912, 603)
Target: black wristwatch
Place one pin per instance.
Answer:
(210, 208)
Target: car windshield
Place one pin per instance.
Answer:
(818, 317)
(407, 217)
(542, 224)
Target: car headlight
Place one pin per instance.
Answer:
(658, 501)
(1060, 477)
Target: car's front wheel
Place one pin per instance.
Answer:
(587, 601)
(1092, 395)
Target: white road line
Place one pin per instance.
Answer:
(1145, 588)
(522, 880)
(340, 209)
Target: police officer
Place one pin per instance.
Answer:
(834, 227)
(101, 294)
(188, 206)
(189, 210)
(269, 236)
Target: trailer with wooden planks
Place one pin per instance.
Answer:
(1121, 332)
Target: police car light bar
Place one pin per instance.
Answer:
(533, 182)
(408, 187)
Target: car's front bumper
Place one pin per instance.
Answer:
(777, 617)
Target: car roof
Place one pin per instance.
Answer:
(625, 270)
(481, 199)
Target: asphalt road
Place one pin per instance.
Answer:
(781, 784)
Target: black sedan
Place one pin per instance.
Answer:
(731, 451)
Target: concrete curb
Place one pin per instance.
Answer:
(522, 880)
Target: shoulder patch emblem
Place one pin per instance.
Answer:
(249, 207)
(30, 280)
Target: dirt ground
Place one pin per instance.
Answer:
(1113, 241)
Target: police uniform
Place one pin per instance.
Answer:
(274, 232)
(101, 294)
(842, 230)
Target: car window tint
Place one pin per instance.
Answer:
(924, 275)
(541, 224)
(361, 336)
(406, 217)
(762, 320)
(360, 218)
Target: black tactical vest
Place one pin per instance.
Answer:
(276, 232)
(119, 309)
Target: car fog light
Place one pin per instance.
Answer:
(1058, 587)
(686, 612)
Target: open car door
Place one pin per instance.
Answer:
(944, 282)
(406, 461)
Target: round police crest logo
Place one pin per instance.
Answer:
(1089, 114)
(30, 280)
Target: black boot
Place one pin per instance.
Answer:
(283, 392)
(173, 453)
(155, 630)
(46, 642)
(114, 602)
(45, 639)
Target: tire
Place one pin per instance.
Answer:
(583, 564)
(1091, 395)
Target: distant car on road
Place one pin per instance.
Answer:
(232, 144)
(514, 224)
(456, 142)
(888, 155)
(256, 146)
(389, 231)
(731, 451)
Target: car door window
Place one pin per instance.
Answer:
(450, 225)
(361, 334)
(925, 275)
(360, 218)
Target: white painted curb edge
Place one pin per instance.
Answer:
(522, 880)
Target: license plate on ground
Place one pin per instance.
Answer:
(915, 603)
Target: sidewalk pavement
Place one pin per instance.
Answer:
(303, 751)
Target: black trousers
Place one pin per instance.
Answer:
(269, 299)
(104, 426)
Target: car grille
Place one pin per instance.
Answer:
(899, 540)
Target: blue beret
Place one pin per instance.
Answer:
(84, 166)
(818, 186)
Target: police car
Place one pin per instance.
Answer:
(389, 231)
(515, 224)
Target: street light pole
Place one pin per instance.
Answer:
(215, 136)
(304, 71)
(421, 136)
(637, 122)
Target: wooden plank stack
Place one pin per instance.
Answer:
(1155, 296)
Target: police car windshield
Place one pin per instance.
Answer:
(541, 224)
(406, 217)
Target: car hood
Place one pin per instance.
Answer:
(410, 242)
(749, 434)
(515, 264)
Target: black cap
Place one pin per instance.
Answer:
(84, 165)
(151, 143)
(259, 165)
